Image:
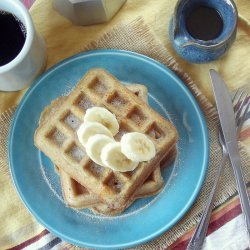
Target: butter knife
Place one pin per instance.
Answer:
(228, 126)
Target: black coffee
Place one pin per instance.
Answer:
(204, 23)
(12, 37)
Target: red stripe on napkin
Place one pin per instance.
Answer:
(245, 134)
(30, 241)
(218, 219)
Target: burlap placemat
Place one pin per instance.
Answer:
(138, 37)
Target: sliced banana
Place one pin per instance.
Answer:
(88, 129)
(137, 147)
(113, 158)
(95, 145)
(103, 116)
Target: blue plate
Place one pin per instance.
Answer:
(38, 184)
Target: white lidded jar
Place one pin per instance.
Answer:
(86, 12)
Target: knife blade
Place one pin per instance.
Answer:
(228, 125)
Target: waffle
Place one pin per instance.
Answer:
(150, 187)
(58, 140)
(75, 195)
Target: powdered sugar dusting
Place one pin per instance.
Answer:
(69, 87)
(49, 182)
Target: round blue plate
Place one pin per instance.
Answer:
(38, 184)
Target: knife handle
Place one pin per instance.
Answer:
(242, 190)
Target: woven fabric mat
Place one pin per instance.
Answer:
(137, 36)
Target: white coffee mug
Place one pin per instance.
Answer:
(31, 60)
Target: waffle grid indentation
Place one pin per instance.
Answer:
(83, 102)
(75, 153)
(114, 183)
(57, 137)
(155, 132)
(72, 121)
(138, 117)
(95, 169)
(117, 101)
(98, 87)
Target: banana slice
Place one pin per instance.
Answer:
(113, 158)
(88, 129)
(95, 145)
(103, 116)
(137, 147)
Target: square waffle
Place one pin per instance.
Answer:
(151, 186)
(58, 140)
(75, 195)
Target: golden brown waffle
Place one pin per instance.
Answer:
(152, 183)
(58, 140)
(75, 195)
